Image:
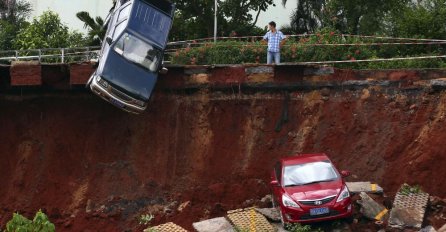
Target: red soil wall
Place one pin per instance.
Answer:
(92, 167)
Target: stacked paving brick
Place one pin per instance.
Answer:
(408, 210)
(249, 220)
(168, 227)
(26, 73)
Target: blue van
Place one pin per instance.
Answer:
(132, 53)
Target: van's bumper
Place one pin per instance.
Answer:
(128, 105)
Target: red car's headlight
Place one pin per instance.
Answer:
(288, 202)
(344, 194)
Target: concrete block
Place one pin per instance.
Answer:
(212, 225)
(372, 209)
(368, 187)
(408, 210)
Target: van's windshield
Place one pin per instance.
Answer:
(139, 52)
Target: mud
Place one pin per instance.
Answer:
(195, 155)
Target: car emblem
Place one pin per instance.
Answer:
(318, 202)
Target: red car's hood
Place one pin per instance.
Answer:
(314, 191)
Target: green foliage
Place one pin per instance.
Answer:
(407, 189)
(195, 19)
(12, 18)
(313, 48)
(40, 223)
(145, 219)
(296, 227)
(97, 29)
(47, 31)
(423, 19)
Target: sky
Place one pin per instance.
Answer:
(67, 10)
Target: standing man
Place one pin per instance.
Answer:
(275, 40)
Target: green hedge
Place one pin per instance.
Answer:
(309, 49)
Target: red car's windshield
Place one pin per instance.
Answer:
(308, 173)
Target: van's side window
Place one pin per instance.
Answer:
(124, 13)
(119, 29)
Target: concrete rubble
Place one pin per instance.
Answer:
(368, 187)
(271, 214)
(428, 229)
(212, 225)
(408, 210)
(372, 209)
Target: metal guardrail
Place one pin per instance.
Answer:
(86, 54)
(51, 55)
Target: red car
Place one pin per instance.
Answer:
(308, 188)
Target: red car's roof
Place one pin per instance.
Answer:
(304, 158)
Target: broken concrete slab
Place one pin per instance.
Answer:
(212, 225)
(368, 187)
(408, 210)
(438, 83)
(271, 214)
(372, 209)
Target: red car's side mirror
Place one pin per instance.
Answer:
(274, 183)
(345, 173)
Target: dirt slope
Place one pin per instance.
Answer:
(92, 167)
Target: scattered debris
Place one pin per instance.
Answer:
(266, 199)
(368, 187)
(183, 206)
(372, 209)
(428, 229)
(271, 213)
(249, 219)
(216, 224)
(409, 208)
(278, 227)
(168, 227)
(442, 229)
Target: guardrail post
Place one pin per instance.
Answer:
(40, 55)
(88, 54)
(16, 55)
(63, 55)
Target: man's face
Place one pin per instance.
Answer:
(271, 27)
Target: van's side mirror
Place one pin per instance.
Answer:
(109, 40)
(345, 173)
(163, 71)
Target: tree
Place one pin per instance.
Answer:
(12, 17)
(195, 18)
(97, 28)
(47, 31)
(306, 18)
(422, 19)
(347, 16)
(360, 16)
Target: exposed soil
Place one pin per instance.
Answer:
(194, 156)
